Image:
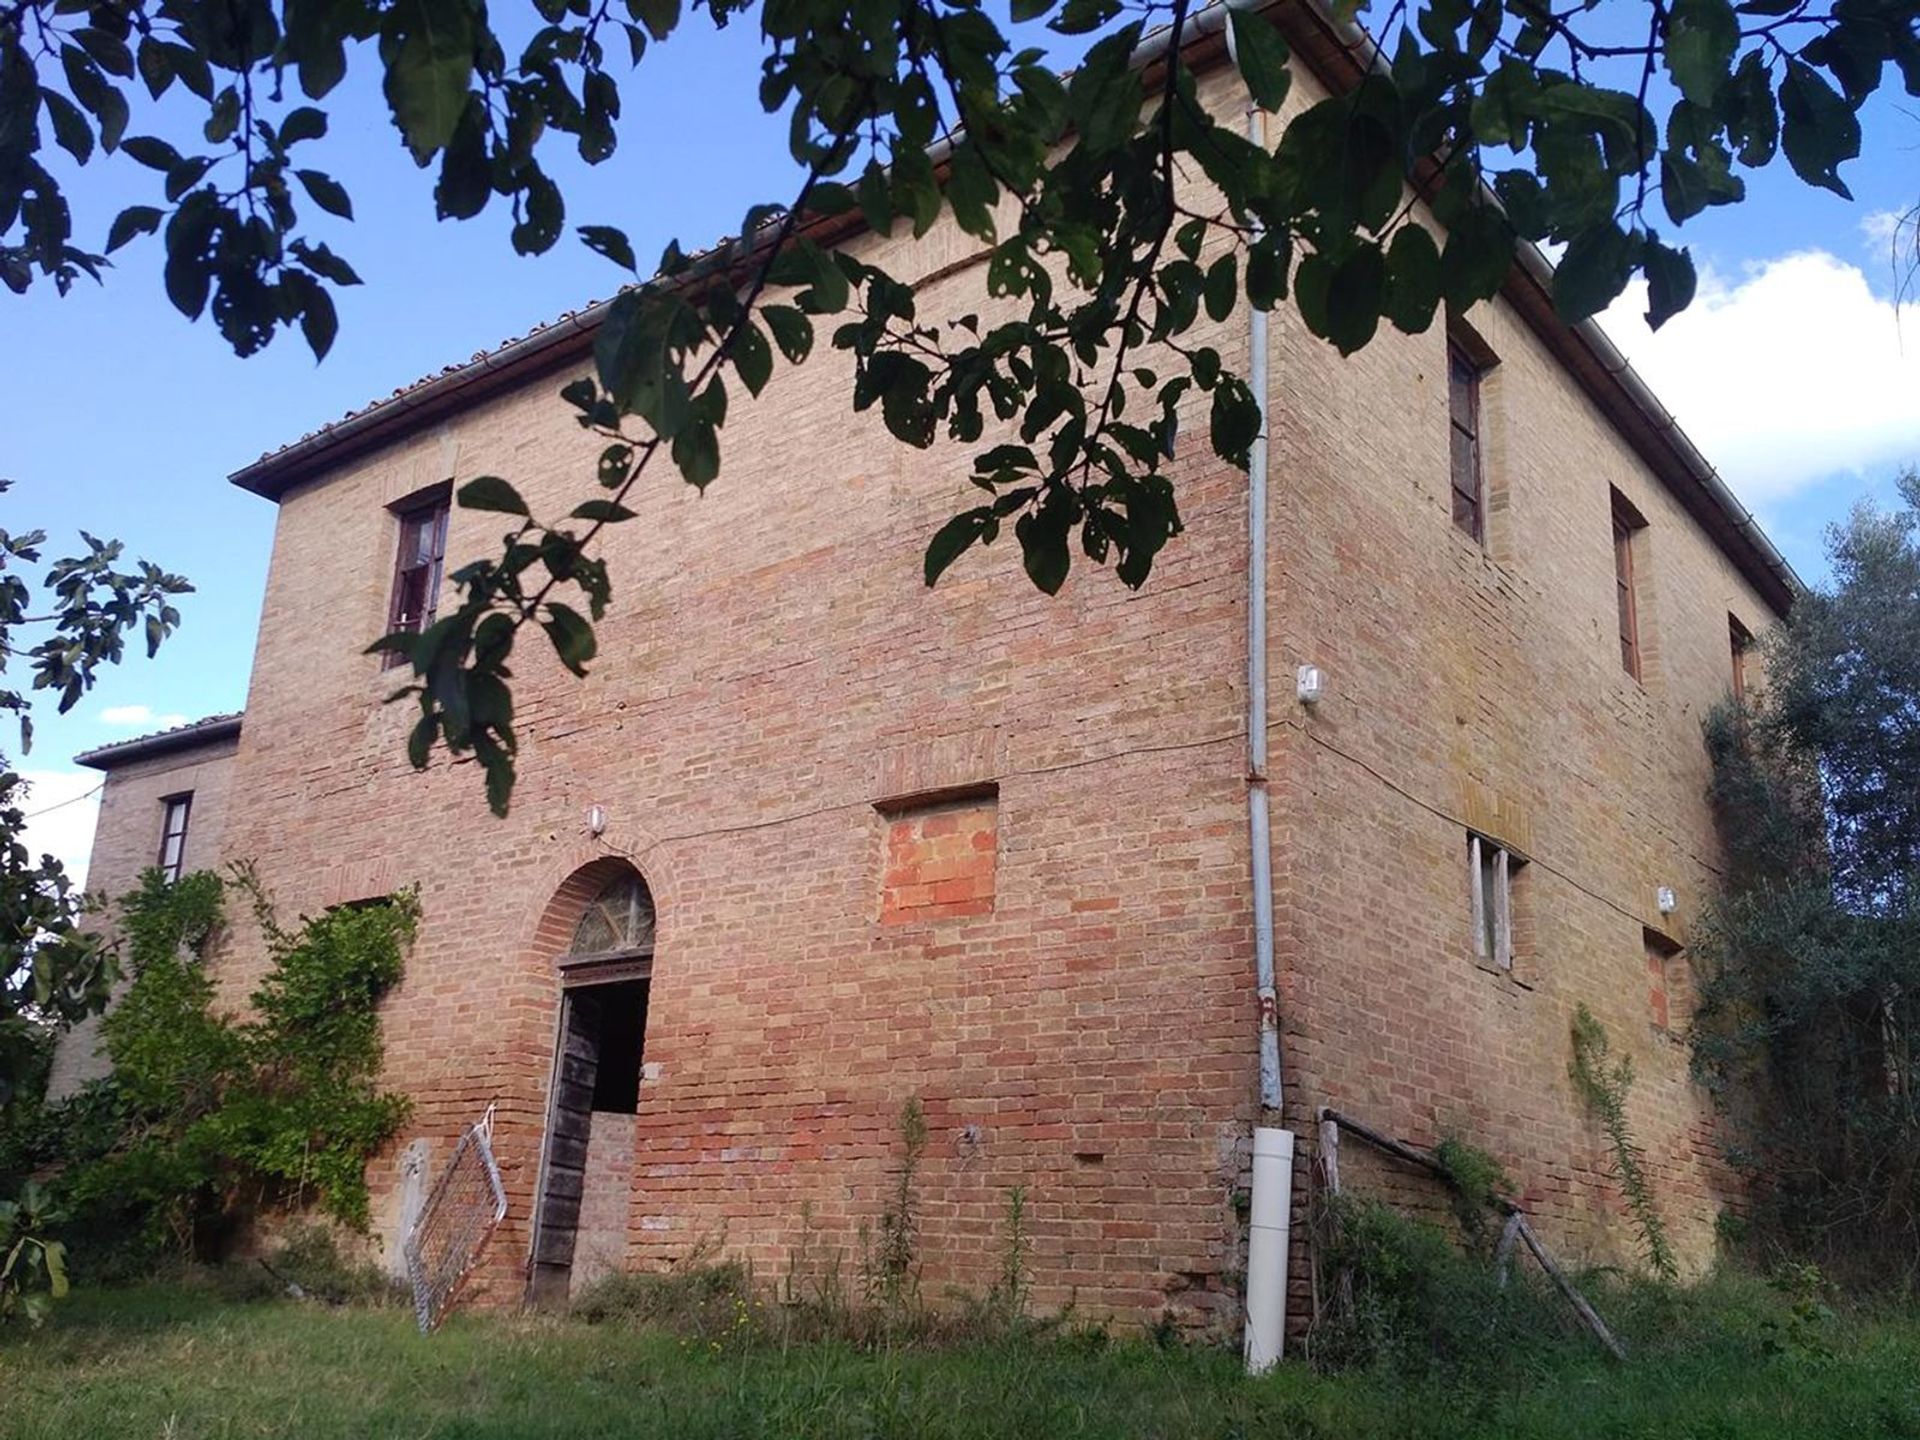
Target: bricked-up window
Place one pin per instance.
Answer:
(1666, 983)
(1464, 374)
(1627, 525)
(940, 858)
(175, 810)
(1493, 875)
(1739, 642)
(418, 562)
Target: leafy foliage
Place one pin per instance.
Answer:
(1118, 210)
(1478, 1182)
(61, 632)
(215, 1116)
(1809, 998)
(1603, 1082)
(33, 1264)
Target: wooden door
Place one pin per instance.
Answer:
(569, 1123)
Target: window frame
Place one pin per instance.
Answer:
(427, 513)
(1628, 523)
(1739, 642)
(1492, 916)
(183, 802)
(1467, 372)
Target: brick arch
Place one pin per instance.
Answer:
(572, 881)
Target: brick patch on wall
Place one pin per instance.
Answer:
(939, 859)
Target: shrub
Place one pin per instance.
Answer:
(207, 1117)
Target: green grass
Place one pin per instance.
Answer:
(183, 1363)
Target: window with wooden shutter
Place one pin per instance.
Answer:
(1492, 876)
(418, 563)
(176, 809)
(1463, 409)
(1627, 524)
(1739, 642)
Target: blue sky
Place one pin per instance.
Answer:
(1790, 373)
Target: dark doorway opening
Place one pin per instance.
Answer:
(602, 1038)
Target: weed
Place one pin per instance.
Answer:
(1603, 1083)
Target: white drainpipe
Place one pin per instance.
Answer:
(1271, 1205)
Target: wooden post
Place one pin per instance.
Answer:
(1503, 1252)
(1574, 1298)
(1516, 1226)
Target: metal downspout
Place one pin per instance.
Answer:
(1271, 1199)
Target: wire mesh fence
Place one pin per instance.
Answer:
(466, 1203)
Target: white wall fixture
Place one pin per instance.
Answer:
(1308, 684)
(596, 819)
(1663, 897)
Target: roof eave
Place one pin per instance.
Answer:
(202, 733)
(1338, 52)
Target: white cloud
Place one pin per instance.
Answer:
(61, 806)
(140, 715)
(1882, 227)
(1792, 373)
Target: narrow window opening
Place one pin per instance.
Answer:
(1627, 524)
(1666, 983)
(1493, 874)
(1464, 375)
(173, 834)
(418, 564)
(1740, 641)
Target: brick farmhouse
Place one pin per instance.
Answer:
(813, 840)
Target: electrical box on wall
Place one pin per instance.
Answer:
(1308, 684)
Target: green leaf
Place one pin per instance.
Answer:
(1670, 282)
(954, 539)
(792, 331)
(1355, 292)
(1042, 535)
(1267, 271)
(659, 16)
(1702, 36)
(1262, 56)
(155, 154)
(606, 240)
(187, 174)
(1413, 278)
(431, 49)
(1222, 286)
(70, 129)
(1819, 131)
(327, 193)
(571, 635)
(319, 321)
(303, 123)
(752, 357)
(696, 450)
(134, 220)
(1595, 269)
(490, 492)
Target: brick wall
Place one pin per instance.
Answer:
(126, 840)
(775, 677)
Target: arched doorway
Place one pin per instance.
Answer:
(604, 977)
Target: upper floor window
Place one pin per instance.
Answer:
(1464, 374)
(416, 570)
(1627, 524)
(1493, 873)
(1739, 641)
(173, 834)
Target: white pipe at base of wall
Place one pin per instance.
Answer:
(1267, 1240)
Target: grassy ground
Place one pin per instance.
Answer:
(183, 1363)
